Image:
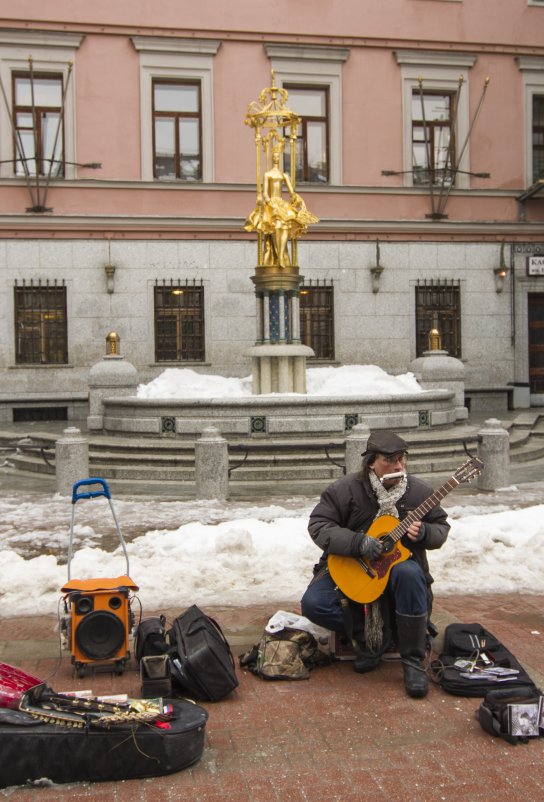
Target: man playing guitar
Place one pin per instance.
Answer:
(372, 583)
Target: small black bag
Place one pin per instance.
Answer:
(470, 655)
(150, 637)
(512, 714)
(156, 676)
(202, 662)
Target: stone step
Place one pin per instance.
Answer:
(528, 452)
(296, 468)
(271, 459)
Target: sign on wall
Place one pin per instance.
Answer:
(535, 265)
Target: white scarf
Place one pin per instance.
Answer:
(387, 501)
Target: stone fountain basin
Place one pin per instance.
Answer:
(275, 415)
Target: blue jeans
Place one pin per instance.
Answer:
(407, 585)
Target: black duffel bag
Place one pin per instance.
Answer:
(201, 658)
(462, 670)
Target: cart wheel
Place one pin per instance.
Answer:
(119, 668)
(80, 671)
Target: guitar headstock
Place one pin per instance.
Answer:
(469, 471)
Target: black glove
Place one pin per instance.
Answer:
(370, 548)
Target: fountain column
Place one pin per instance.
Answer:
(279, 359)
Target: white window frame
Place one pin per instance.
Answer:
(188, 59)
(51, 52)
(440, 73)
(532, 69)
(315, 66)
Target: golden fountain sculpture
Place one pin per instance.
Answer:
(278, 222)
(280, 217)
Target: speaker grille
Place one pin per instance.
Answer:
(100, 635)
(84, 605)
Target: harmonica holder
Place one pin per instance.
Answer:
(396, 475)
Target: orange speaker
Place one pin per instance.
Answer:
(100, 621)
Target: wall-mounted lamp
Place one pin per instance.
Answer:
(500, 272)
(110, 273)
(376, 270)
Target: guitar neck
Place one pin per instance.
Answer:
(420, 511)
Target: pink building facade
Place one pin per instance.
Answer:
(126, 169)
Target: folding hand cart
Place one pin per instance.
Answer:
(98, 616)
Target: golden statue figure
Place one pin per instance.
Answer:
(277, 220)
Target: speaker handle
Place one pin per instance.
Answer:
(92, 493)
(76, 496)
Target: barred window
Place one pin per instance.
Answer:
(41, 336)
(317, 319)
(536, 341)
(538, 137)
(179, 322)
(438, 305)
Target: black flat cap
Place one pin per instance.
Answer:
(385, 443)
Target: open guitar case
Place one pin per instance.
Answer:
(32, 749)
(63, 738)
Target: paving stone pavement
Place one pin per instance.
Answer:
(336, 736)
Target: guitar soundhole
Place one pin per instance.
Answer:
(388, 544)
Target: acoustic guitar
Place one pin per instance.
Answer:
(363, 580)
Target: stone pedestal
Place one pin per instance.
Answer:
(71, 460)
(437, 370)
(112, 377)
(279, 368)
(355, 446)
(211, 465)
(494, 451)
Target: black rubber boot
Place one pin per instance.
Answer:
(366, 662)
(412, 637)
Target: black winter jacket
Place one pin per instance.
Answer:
(347, 508)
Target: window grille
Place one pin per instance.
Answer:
(536, 341)
(317, 318)
(538, 137)
(179, 321)
(40, 323)
(438, 305)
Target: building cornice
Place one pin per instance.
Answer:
(530, 63)
(435, 58)
(18, 226)
(56, 39)
(300, 52)
(306, 189)
(348, 40)
(173, 44)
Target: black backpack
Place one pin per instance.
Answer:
(201, 659)
(150, 637)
